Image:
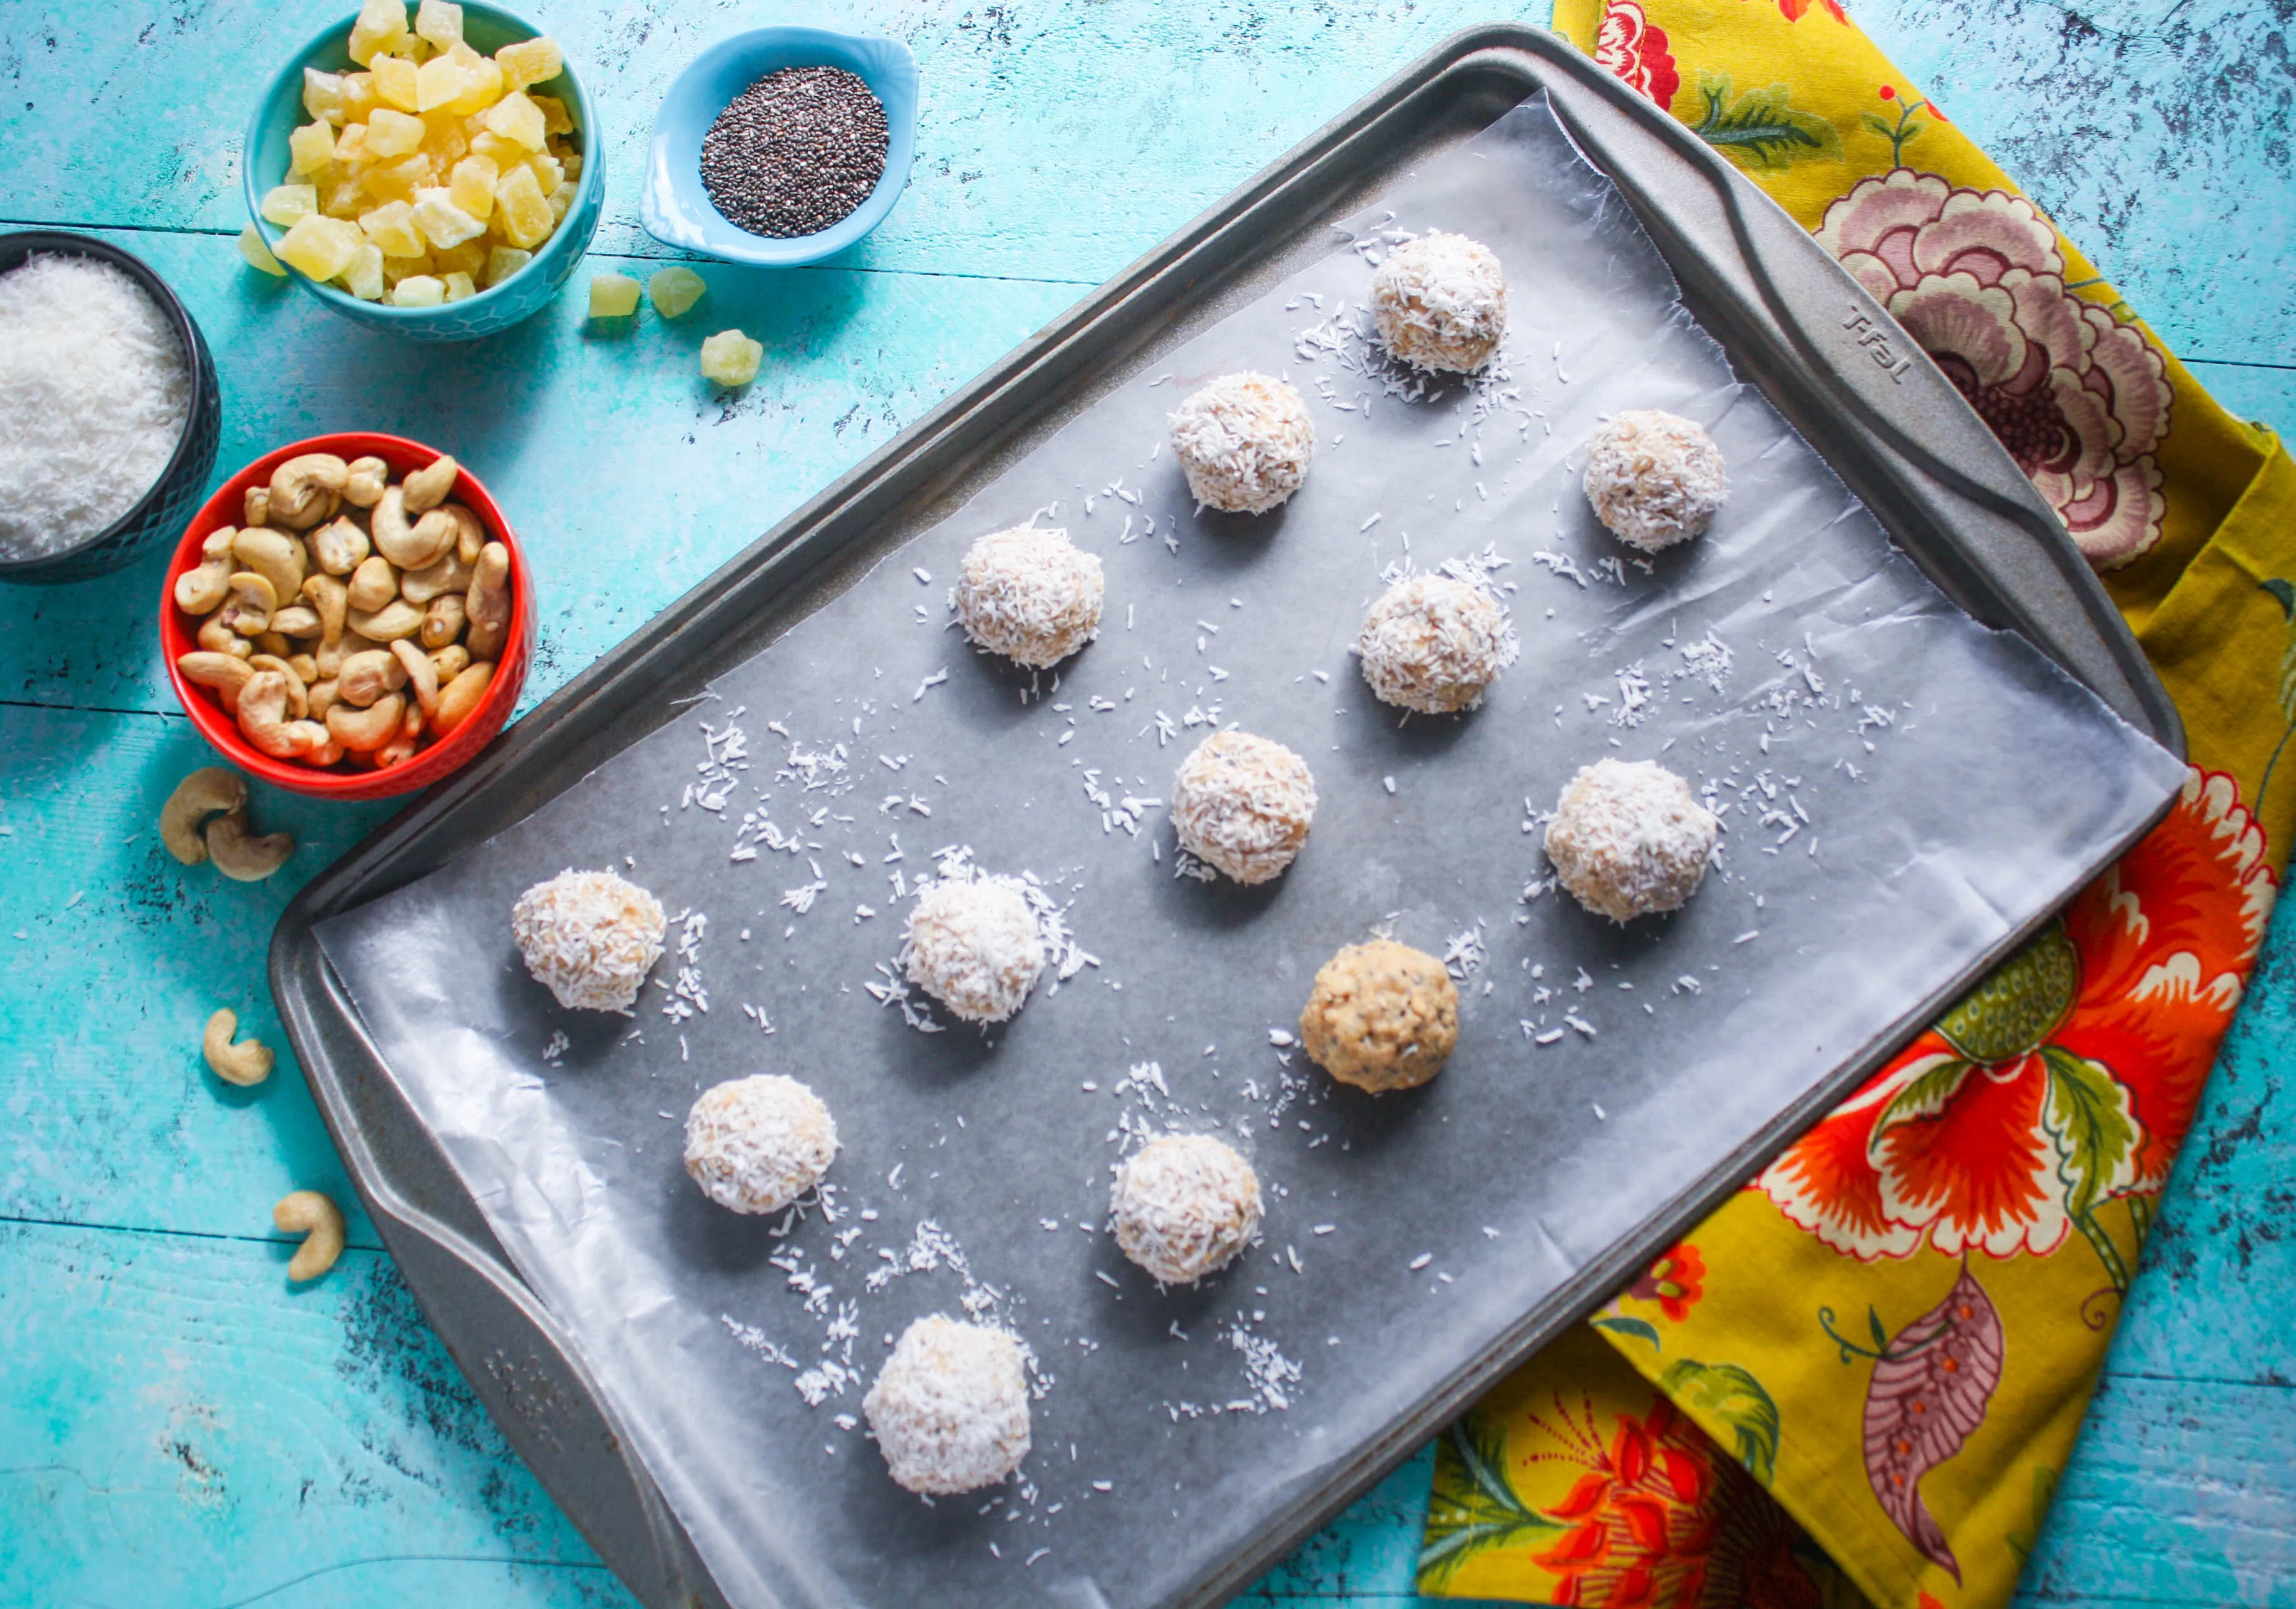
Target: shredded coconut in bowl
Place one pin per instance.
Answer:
(1185, 1205)
(1030, 595)
(591, 936)
(1628, 838)
(1433, 643)
(1654, 477)
(755, 1144)
(1244, 442)
(94, 389)
(973, 945)
(950, 1409)
(1440, 302)
(1244, 805)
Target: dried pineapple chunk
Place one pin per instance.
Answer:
(393, 134)
(503, 261)
(359, 97)
(530, 62)
(320, 246)
(324, 97)
(350, 144)
(311, 148)
(392, 227)
(473, 186)
(398, 181)
(364, 278)
(438, 23)
(459, 285)
(446, 143)
(418, 291)
(561, 201)
(613, 296)
(516, 118)
(468, 257)
(521, 215)
(346, 199)
(674, 291)
(397, 82)
(382, 26)
(505, 154)
(437, 83)
(547, 173)
(731, 358)
(554, 118)
(397, 268)
(258, 255)
(441, 220)
(482, 87)
(287, 205)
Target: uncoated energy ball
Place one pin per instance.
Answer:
(1655, 478)
(950, 1409)
(1441, 303)
(1244, 442)
(755, 1144)
(590, 937)
(1185, 1205)
(1030, 595)
(1382, 1016)
(1628, 838)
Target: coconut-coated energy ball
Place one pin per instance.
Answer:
(1630, 839)
(1432, 643)
(1439, 302)
(1185, 1205)
(950, 1407)
(1655, 478)
(1382, 1016)
(1244, 442)
(1030, 595)
(589, 936)
(1244, 805)
(972, 945)
(755, 1144)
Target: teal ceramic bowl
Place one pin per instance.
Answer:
(677, 209)
(486, 28)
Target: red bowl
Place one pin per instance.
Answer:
(177, 633)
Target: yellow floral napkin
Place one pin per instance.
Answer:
(1858, 1380)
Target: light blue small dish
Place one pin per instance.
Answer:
(486, 28)
(676, 207)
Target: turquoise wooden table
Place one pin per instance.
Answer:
(178, 1427)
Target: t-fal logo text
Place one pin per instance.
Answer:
(1877, 345)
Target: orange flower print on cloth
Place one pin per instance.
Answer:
(2067, 1078)
(1976, 276)
(1674, 1281)
(1630, 47)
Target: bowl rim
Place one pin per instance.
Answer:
(289, 76)
(480, 727)
(789, 251)
(188, 331)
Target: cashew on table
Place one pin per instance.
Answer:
(320, 1222)
(247, 1063)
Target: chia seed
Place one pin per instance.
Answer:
(796, 151)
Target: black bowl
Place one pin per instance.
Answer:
(159, 516)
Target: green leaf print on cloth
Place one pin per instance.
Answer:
(1760, 129)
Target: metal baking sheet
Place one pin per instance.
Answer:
(1885, 765)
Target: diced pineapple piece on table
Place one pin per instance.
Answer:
(392, 227)
(613, 296)
(522, 217)
(396, 83)
(364, 278)
(503, 261)
(419, 291)
(530, 62)
(441, 222)
(288, 205)
(438, 23)
(382, 26)
(324, 96)
(674, 291)
(514, 117)
(320, 246)
(473, 186)
(394, 134)
(731, 358)
(258, 254)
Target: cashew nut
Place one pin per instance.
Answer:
(248, 608)
(205, 792)
(320, 1222)
(258, 503)
(200, 591)
(363, 489)
(329, 753)
(303, 489)
(216, 638)
(397, 751)
(338, 546)
(420, 675)
(460, 696)
(395, 619)
(248, 1062)
(373, 583)
(448, 575)
(469, 532)
(366, 676)
(297, 700)
(362, 731)
(305, 666)
(322, 695)
(226, 674)
(242, 857)
(427, 488)
(273, 643)
(449, 662)
(489, 602)
(297, 620)
(276, 556)
(443, 621)
(263, 717)
(332, 600)
(410, 547)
